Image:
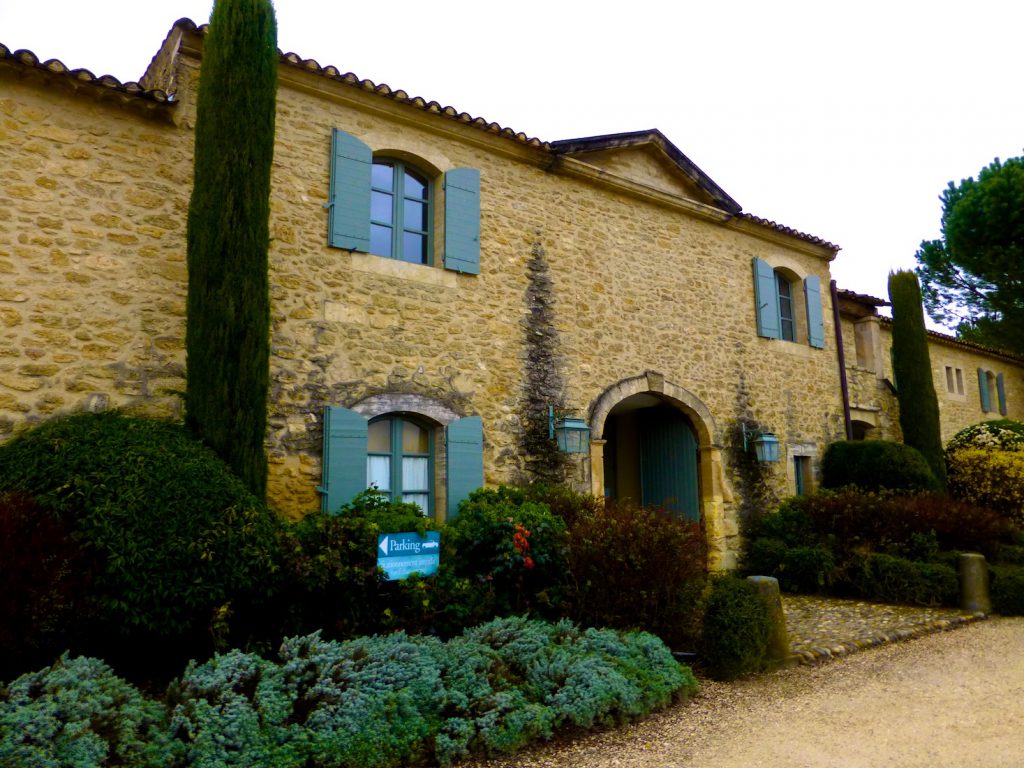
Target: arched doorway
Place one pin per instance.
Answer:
(651, 455)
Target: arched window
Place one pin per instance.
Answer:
(400, 212)
(399, 460)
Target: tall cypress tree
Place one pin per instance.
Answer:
(912, 367)
(228, 326)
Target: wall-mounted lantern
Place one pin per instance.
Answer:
(571, 435)
(766, 444)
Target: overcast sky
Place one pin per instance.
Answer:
(843, 120)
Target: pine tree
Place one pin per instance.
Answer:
(228, 323)
(915, 390)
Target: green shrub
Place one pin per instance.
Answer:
(514, 548)
(1007, 589)
(736, 629)
(989, 477)
(872, 465)
(798, 569)
(1010, 554)
(77, 713)
(637, 567)
(411, 700)
(175, 533)
(329, 579)
(891, 579)
(998, 434)
(46, 576)
(791, 524)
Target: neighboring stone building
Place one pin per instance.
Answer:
(974, 383)
(434, 280)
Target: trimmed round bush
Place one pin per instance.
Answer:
(989, 477)
(998, 434)
(872, 465)
(175, 534)
(736, 629)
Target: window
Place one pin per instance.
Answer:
(787, 324)
(385, 206)
(404, 455)
(777, 313)
(400, 212)
(399, 455)
(802, 474)
(989, 382)
(954, 380)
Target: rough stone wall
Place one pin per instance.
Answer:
(92, 255)
(92, 246)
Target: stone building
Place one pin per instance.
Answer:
(438, 284)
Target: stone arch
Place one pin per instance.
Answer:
(715, 498)
(378, 405)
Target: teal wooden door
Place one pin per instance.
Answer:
(668, 462)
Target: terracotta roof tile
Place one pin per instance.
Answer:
(789, 231)
(953, 341)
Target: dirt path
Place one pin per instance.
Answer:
(950, 699)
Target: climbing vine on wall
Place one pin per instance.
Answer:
(544, 385)
(751, 478)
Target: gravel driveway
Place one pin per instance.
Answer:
(949, 699)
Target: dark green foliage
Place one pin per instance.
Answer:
(374, 702)
(634, 566)
(228, 311)
(872, 465)
(513, 548)
(911, 363)
(736, 629)
(174, 533)
(1010, 554)
(329, 579)
(972, 277)
(77, 713)
(891, 579)
(46, 578)
(798, 569)
(1007, 589)
(997, 434)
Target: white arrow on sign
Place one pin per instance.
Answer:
(384, 546)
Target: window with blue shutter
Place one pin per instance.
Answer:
(348, 204)
(986, 398)
(815, 320)
(465, 458)
(462, 220)
(1001, 391)
(344, 457)
(766, 296)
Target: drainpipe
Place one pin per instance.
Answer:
(841, 355)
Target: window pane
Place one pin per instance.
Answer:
(379, 437)
(414, 187)
(414, 474)
(380, 240)
(415, 215)
(414, 438)
(383, 176)
(414, 248)
(381, 207)
(378, 472)
(959, 381)
(422, 500)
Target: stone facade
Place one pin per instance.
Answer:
(649, 264)
(867, 343)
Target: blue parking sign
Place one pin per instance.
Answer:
(402, 554)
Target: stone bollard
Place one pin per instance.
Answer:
(778, 640)
(974, 583)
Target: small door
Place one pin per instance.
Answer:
(668, 462)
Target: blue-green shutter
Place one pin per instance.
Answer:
(462, 220)
(668, 463)
(815, 323)
(766, 296)
(1001, 390)
(986, 398)
(464, 449)
(348, 219)
(344, 462)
